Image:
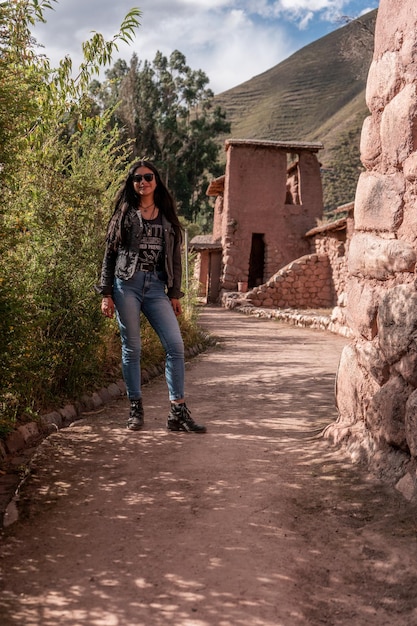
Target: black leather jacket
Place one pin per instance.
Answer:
(121, 263)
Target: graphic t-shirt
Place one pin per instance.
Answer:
(152, 242)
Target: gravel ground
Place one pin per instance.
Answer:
(259, 522)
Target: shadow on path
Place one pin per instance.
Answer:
(256, 523)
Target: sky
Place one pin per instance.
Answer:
(230, 40)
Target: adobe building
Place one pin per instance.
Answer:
(313, 281)
(270, 196)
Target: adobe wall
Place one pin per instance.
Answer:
(317, 280)
(303, 283)
(377, 376)
(218, 222)
(255, 202)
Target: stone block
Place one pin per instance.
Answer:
(374, 257)
(395, 18)
(408, 229)
(87, 402)
(104, 395)
(68, 413)
(372, 360)
(379, 202)
(114, 390)
(15, 442)
(399, 126)
(97, 401)
(407, 365)
(410, 167)
(385, 416)
(122, 386)
(407, 486)
(363, 302)
(29, 432)
(407, 55)
(354, 387)
(79, 407)
(370, 144)
(51, 421)
(411, 423)
(397, 321)
(384, 80)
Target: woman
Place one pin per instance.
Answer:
(141, 272)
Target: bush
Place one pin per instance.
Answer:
(59, 168)
(55, 331)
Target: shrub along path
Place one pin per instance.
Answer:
(257, 523)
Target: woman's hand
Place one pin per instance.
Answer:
(107, 306)
(176, 305)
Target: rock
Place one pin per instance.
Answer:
(399, 126)
(379, 202)
(407, 486)
(397, 321)
(29, 432)
(354, 388)
(362, 317)
(411, 423)
(68, 414)
(373, 257)
(385, 416)
(51, 421)
(383, 82)
(15, 442)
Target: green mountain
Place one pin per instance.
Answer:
(317, 94)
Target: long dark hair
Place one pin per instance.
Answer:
(127, 198)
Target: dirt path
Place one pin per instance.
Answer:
(257, 523)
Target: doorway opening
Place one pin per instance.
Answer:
(256, 261)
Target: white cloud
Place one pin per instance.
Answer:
(311, 5)
(229, 50)
(208, 4)
(230, 40)
(305, 20)
(300, 12)
(243, 51)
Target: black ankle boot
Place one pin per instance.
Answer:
(179, 419)
(136, 418)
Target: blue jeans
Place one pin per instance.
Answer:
(145, 292)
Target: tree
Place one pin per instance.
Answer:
(359, 43)
(167, 111)
(59, 161)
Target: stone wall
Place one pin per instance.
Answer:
(304, 283)
(315, 280)
(334, 249)
(377, 376)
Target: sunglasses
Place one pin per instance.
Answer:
(138, 177)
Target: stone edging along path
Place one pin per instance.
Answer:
(297, 318)
(20, 446)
